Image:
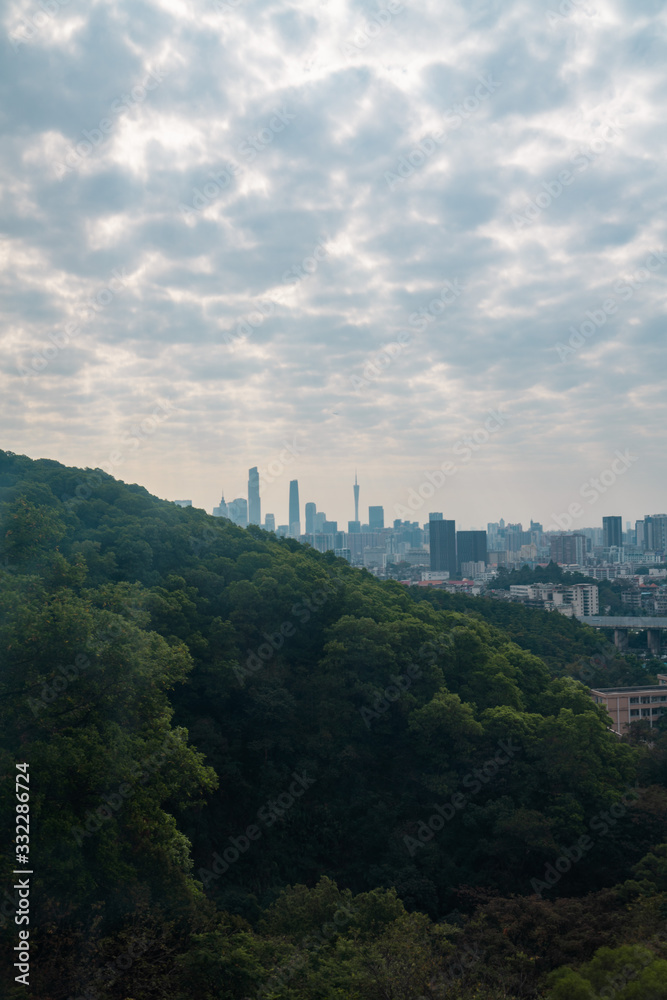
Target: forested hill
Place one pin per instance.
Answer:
(212, 715)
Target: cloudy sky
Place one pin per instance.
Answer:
(315, 237)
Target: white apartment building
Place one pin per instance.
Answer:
(580, 600)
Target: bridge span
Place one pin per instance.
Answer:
(653, 625)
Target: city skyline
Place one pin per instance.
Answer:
(439, 552)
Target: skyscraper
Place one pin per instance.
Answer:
(311, 509)
(294, 516)
(470, 547)
(568, 549)
(375, 518)
(221, 509)
(612, 531)
(356, 497)
(238, 512)
(254, 502)
(442, 546)
(270, 522)
(655, 532)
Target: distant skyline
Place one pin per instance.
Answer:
(230, 227)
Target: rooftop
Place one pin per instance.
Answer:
(662, 688)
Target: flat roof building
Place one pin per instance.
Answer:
(630, 704)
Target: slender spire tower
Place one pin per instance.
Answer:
(356, 497)
(254, 501)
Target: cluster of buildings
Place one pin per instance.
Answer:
(581, 600)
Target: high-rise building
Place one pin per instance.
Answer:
(294, 515)
(612, 531)
(375, 518)
(655, 532)
(270, 522)
(221, 509)
(568, 549)
(431, 517)
(470, 547)
(238, 511)
(442, 546)
(311, 510)
(356, 497)
(585, 599)
(183, 503)
(640, 536)
(254, 502)
(353, 527)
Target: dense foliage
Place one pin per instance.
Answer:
(257, 771)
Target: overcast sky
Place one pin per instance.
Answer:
(203, 266)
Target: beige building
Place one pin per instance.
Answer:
(630, 704)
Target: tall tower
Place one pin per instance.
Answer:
(311, 510)
(254, 502)
(356, 497)
(294, 517)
